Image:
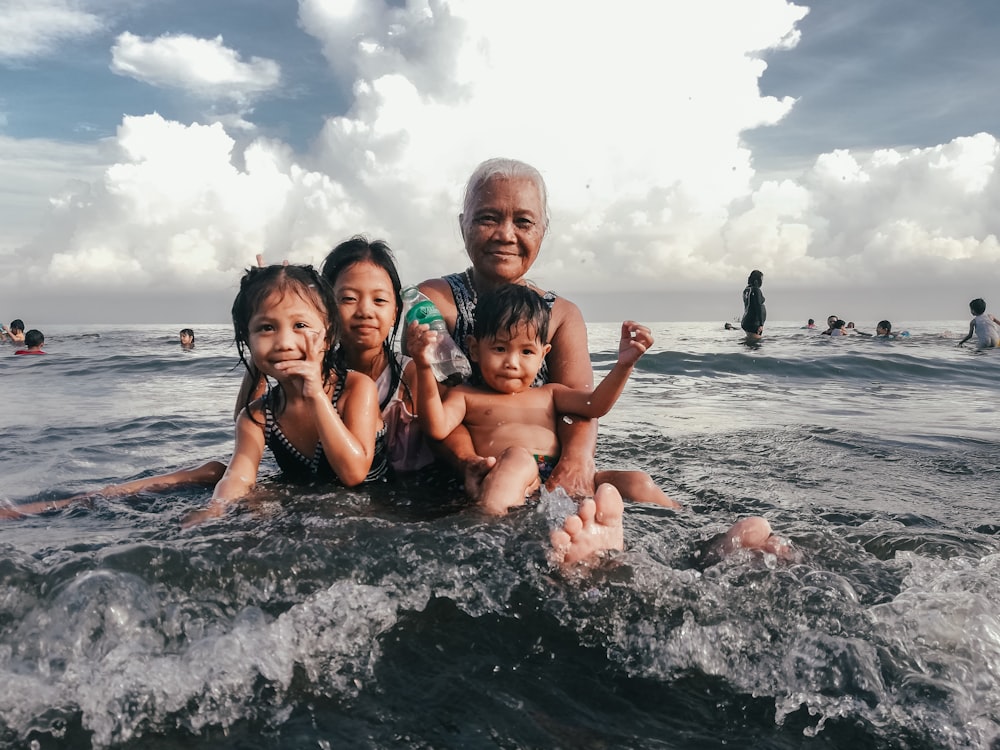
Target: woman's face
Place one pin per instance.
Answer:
(366, 306)
(504, 232)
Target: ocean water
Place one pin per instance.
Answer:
(392, 617)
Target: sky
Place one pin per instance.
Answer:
(149, 149)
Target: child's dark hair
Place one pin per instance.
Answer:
(258, 284)
(884, 324)
(756, 278)
(359, 249)
(506, 308)
(33, 337)
(978, 306)
(17, 324)
(188, 332)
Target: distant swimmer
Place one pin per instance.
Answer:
(883, 330)
(830, 320)
(754, 312)
(729, 327)
(839, 328)
(187, 338)
(33, 340)
(983, 325)
(810, 324)
(15, 331)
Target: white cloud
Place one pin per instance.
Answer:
(204, 67)
(34, 28)
(634, 114)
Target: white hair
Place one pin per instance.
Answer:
(508, 169)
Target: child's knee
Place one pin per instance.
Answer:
(518, 458)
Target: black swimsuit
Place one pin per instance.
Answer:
(465, 306)
(297, 467)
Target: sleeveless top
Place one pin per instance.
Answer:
(465, 305)
(298, 467)
(408, 448)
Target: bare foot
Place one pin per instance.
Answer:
(42, 506)
(753, 533)
(596, 526)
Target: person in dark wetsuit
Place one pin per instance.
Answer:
(754, 312)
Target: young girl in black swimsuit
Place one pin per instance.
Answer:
(321, 421)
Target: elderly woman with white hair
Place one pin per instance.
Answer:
(503, 222)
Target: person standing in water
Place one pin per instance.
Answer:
(754, 313)
(983, 325)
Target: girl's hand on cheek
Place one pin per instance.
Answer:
(312, 376)
(307, 374)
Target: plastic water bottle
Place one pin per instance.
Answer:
(448, 362)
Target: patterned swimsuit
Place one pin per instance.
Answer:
(296, 466)
(465, 305)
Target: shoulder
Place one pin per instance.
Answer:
(438, 291)
(567, 319)
(357, 382)
(562, 309)
(252, 417)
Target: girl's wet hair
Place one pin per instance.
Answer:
(258, 284)
(359, 249)
(508, 307)
(756, 278)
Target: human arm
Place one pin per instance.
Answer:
(569, 365)
(972, 330)
(634, 342)
(241, 473)
(437, 417)
(348, 436)
(252, 387)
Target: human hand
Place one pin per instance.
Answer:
(575, 475)
(635, 341)
(307, 374)
(194, 518)
(420, 342)
(474, 470)
(260, 261)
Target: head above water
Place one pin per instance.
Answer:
(756, 278)
(16, 325)
(501, 169)
(256, 289)
(359, 249)
(33, 338)
(883, 328)
(977, 306)
(508, 308)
